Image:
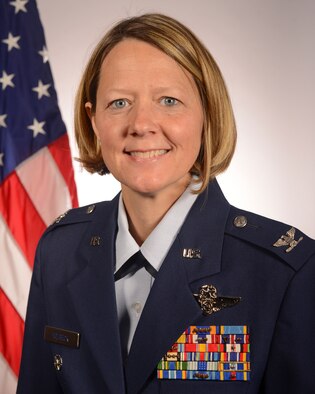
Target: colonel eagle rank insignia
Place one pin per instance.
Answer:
(288, 240)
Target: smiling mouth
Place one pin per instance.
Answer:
(148, 154)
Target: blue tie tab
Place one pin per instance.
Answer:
(133, 264)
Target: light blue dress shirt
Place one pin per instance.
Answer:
(132, 291)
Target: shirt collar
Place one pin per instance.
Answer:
(126, 246)
(157, 245)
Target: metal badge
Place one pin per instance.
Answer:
(210, 302)
(192, 253)
(58, 362)
(288, 240)
(95, 240)
(62, 337)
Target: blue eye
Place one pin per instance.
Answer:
(118, 104)
(169, 101)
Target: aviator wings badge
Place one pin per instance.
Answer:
(288, 240)
(210, 302)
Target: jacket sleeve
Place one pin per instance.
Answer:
(37, 373)
(292, 353)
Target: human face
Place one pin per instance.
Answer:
(148, 118)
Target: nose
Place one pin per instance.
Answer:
(142, 119)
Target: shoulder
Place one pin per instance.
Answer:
(92, 212)
(77, 226)
(285, 241)
(75, 215)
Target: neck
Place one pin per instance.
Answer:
(145, 211)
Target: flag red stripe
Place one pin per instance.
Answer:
(60, 151)
(21, 216)
(11, 338)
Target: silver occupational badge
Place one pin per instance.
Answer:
(210, 302)
(288, 240)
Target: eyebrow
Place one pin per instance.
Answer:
(157, 90)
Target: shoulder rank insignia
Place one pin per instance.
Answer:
(210, 302)
(60, 217)
(288, 240)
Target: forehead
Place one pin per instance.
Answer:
(132, 57)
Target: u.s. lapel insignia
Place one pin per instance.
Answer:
(210, 302)
(288, 240)
(95, 240)
(191, 253)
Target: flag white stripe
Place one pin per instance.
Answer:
(15, 273)
(7, 378)
(43, 182)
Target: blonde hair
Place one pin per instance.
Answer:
(178, 42)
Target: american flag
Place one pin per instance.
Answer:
(36, 174)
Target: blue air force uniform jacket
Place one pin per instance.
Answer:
(262, 343)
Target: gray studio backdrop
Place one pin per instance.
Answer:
(266, 53)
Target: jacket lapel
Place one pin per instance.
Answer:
(171, 306)
(93, 293)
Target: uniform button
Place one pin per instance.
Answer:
(137, 307)
(240, 221)
(90, 209)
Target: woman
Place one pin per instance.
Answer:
(219, 300)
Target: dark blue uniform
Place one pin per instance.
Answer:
(234, 253)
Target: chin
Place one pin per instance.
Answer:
(148, 190)
(153, 187)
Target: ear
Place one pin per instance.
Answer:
(88, 107)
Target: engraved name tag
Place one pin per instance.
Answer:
(62, 337)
